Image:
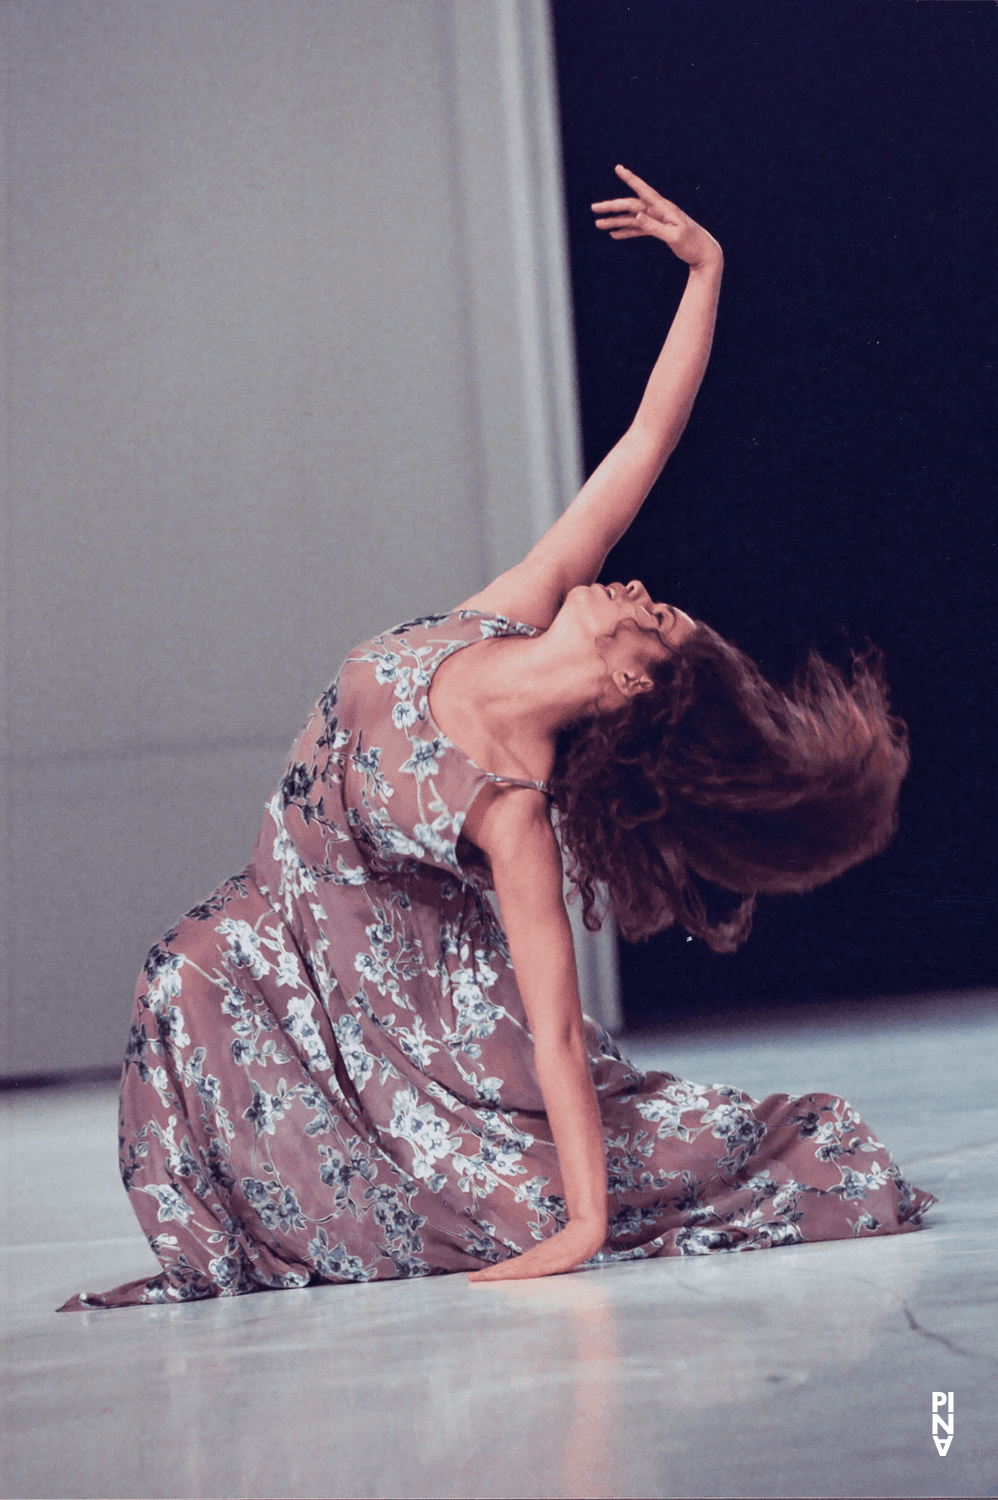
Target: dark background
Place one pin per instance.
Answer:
(836, 482)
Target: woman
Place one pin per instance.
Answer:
(334, 1073)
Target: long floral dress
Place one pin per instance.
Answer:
(330, 1073)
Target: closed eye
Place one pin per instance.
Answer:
(665, 616)
(656, 621)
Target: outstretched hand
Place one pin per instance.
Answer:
(649, 214)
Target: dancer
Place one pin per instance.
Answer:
(343, 1067)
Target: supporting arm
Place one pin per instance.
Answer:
(526, 866)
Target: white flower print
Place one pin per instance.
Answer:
(500, 1149)
(866, 1224)
(786, 1195)
(487, 1090)
(159, 1078)
(778, 1232)
(416, 1044)
(423, 1129)
(336, 1262)
(350, 1040)
(369, 762)
(170, 1022)
(738, 1128)
(500, 625)
(288, 971)
(266, 1109)
(703, 1241)
(476, 1016)
(296, 880)
(385, 666)
(167, 984)
(404, 715)
(234, 1003)
(854, 1184)
(299, 1023)
(827, 1142)
(664, 1113)
(546, 1206)
(245, 951)
(391, 840)
(172, 1205)
(424, 760)
(484, 973)
(667, 1106)
(431, 836)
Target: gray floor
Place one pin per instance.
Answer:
(793, 1372)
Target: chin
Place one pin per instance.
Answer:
(589, 613)
(579, 599)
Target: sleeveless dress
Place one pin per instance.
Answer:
(330, 1074)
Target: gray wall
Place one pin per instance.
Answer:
(288, 358)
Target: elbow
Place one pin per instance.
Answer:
(560, 1041)
(651, 444)
(656, 441)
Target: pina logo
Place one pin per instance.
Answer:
(942, 1399)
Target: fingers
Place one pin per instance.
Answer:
(495, 1273)
(552, 1258)
(635, 218)
(619, 221)
(628, 226)
(662, 210)
(639, 186)
(618, 206)
(512, 1270)
(652, 200)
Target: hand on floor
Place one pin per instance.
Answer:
(564, 1250)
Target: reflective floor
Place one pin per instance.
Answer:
(791, 1372)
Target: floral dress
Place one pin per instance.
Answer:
(330, 1073)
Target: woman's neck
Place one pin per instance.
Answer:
(531, 687)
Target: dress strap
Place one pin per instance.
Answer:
(537, 786)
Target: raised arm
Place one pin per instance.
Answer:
(573, 550)
(514, 829)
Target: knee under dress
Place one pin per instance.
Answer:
(330, 1074)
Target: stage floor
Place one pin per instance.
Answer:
(794, 1372)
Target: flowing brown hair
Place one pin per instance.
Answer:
(715, 774)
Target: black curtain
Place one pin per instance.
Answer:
(836, 482)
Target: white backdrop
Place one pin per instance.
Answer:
(288, 358)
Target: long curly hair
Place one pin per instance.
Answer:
(716, 775)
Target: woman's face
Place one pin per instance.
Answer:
(626, 629)
(601, 608)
